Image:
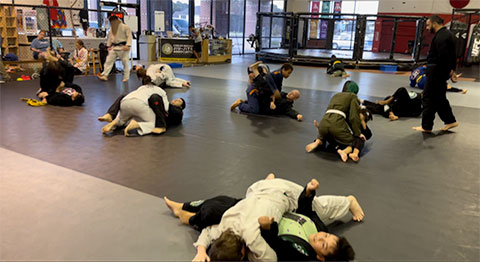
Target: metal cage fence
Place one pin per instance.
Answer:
(357, 39)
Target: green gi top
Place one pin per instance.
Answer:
(344, 123)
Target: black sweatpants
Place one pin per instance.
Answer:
(208, 212)
(435, 100)
(155, 102)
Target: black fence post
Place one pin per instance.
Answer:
(296, 19)
(394, 37)
(49, 27)
(258, 32)
(360, 28)
(418, 40)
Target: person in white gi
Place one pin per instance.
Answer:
(119, 41)
(270, 197)
(163, 73)
(135, 110)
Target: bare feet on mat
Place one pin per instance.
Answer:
(125, 80)
(346, 75)
(175, 207)
(105, 118)
(270, 176)
(235, 104)
(419, 128)
(312, 186)
(393, 117)
(109, 127)
(449, 126)
(343, 155)
(353, 157)
(132, 125)
(355, 209)
(159, 130)
(103, 78)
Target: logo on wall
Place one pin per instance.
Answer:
(167, 48)
(459, 3)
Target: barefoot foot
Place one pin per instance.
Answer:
(109, 127)
(393, 117)
(419, 128)
(159, 130)
(353, 156)
(464, 91)
(343, 155)
(449, 126)
(355, 209)
(103, 78)
(175, 207)
(312, 186)
(132, 125)
(235, 104)
(105, 118)
(270, 176)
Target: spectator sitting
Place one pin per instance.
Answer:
(39, 45)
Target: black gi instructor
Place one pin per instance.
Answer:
(441, 63)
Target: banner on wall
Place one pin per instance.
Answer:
(337, 8)
(314, 22)
(325, 8)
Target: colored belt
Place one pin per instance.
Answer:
(119, 44)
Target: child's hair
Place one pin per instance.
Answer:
(367, 114)
(79, 100)
(228, 247)
(333, 57)
(287, 66)
(80, 43)
(183, 104)
(146, 80)
(141, 73)
(343, 252)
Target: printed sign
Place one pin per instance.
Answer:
(176, 49)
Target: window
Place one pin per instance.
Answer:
(180, 17)
(236, 25)
(250, 23)
(202, 12)
(220, 17)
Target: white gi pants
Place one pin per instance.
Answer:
(138, 110)
(112, 57)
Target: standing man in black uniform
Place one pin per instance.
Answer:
(441, 63)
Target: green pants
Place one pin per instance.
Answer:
(334, 126)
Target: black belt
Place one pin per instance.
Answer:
(119, 44)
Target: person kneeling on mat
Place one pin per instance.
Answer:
(335, 125)
(263, 95)
(336, 68)
(352, 151)
(165, 114)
